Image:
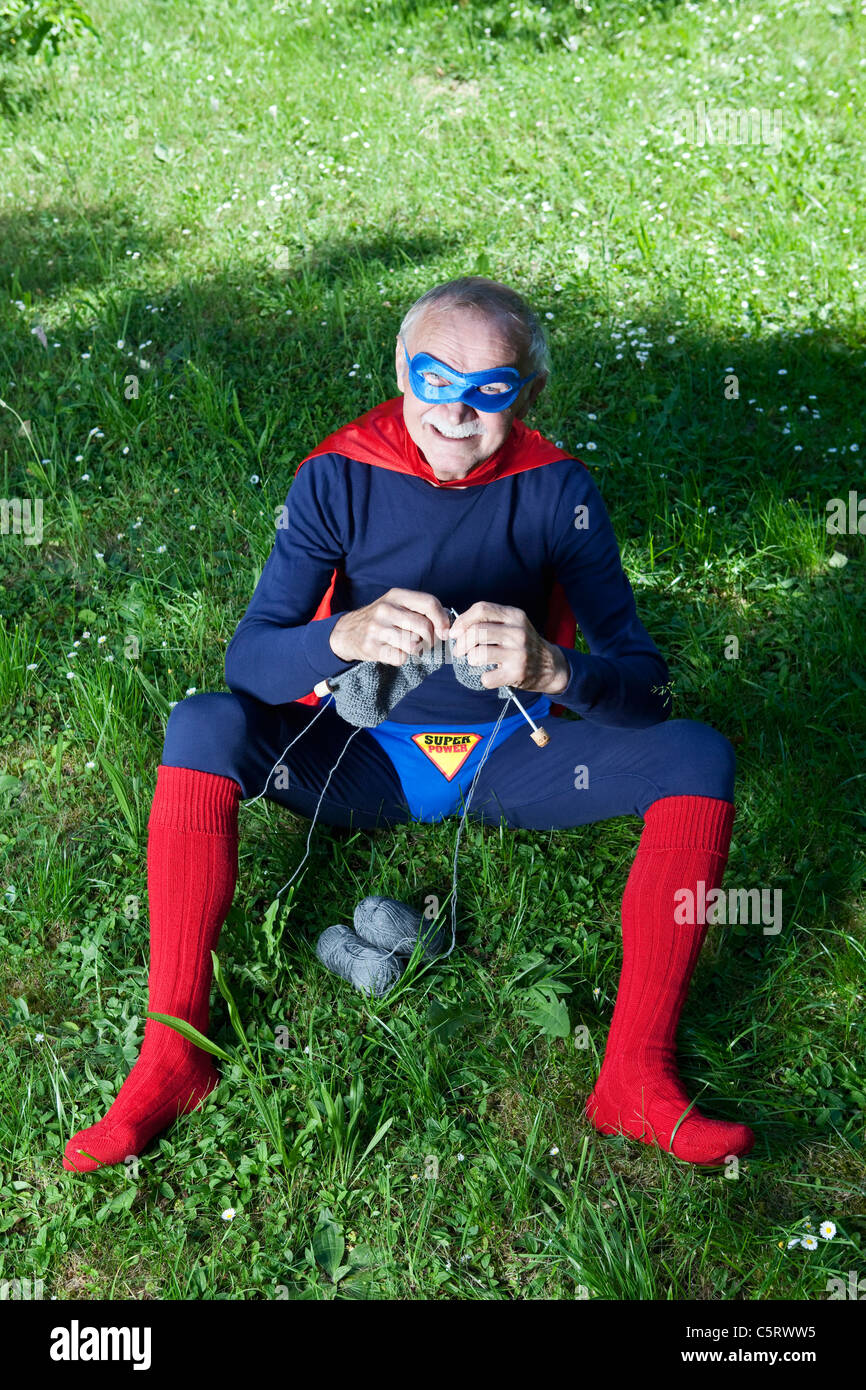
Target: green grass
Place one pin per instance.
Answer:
(246, 260)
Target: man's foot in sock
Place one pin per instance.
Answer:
(648, 1107)
(151, 1098)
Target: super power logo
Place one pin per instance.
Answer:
(447, 751)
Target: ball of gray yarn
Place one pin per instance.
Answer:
(395, 926)
(363, 965)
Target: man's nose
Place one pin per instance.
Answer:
(459, 411)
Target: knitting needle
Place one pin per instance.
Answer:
(539, 734)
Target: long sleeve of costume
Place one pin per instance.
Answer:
(278, 653)
(620, 682)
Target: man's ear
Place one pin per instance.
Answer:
(400, 365)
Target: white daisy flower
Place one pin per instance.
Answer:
(827, 1230)
(229, 1214)
(809, 1243)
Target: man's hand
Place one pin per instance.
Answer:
(494, 632)
(400, 624)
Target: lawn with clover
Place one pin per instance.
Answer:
(212, 220)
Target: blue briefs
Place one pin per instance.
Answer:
(437, 762)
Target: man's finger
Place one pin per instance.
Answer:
(481, 609)
(482, 654)
(419, 602)
(484, 609)
(481, 636)
(401, 637)
(394, 616)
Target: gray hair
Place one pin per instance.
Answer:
(504, 305)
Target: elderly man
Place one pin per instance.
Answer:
(442, 498)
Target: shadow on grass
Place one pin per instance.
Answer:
(55, 248)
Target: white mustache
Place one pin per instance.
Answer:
(464, 431)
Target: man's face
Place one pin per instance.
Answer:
(468, 342)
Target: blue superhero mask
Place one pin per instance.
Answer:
(489, 391)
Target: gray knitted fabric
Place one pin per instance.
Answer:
(364, 966)
(395, 927)
(366, 693)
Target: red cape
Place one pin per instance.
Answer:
(380, 437)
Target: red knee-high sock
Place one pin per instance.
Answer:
(192, 864)
(639, 1092)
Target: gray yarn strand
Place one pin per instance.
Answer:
(260, 794)
(460, 829)
(381, 926)
(318, 804)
